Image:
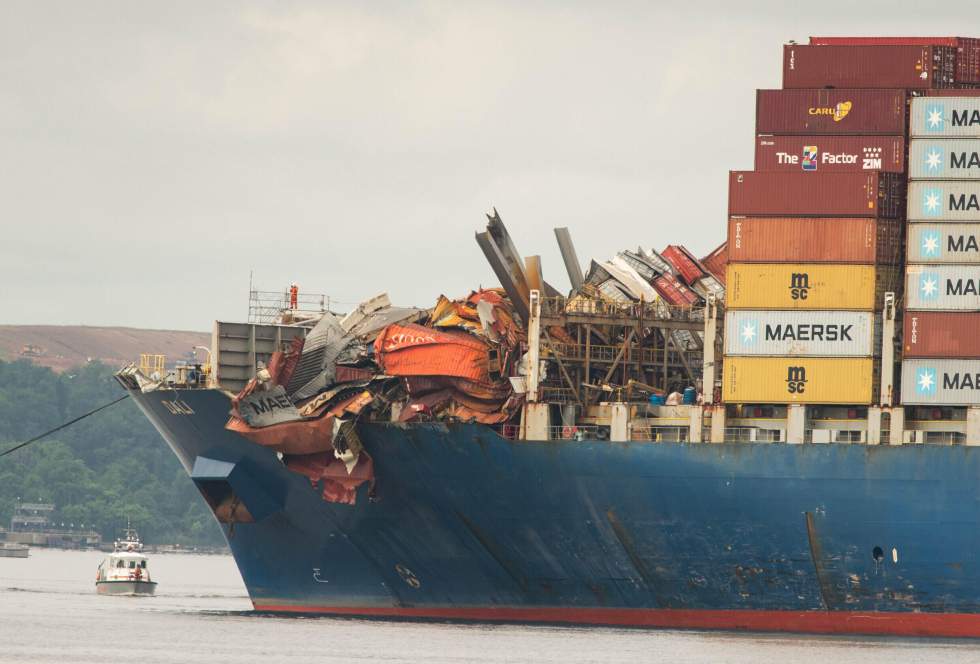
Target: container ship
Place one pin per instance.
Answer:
(779, 436)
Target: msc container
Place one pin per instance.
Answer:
(943, 243)
(944, 201)
(830, 154)
(815, 240)
(942, 382)
(764, 194)
(967, 49)
(942, 117)
(944, 159)
(831, 111)
(941, 334)
(942, 287)
(898, 66)
(808, 286)
(800, 333)
(807, 380)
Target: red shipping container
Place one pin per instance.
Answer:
(916, 67)
(830, 154)
(684, 262)
(716, 262)
(838, 112)
(815, 240)
(776, 194)
(674, 292)
(950, 334)
(967, 49)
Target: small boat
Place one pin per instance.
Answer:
(125, 570)
(14, 550)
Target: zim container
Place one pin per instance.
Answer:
(815, 240)
(806, 380)
(830, 154)
(944, 201)
(945, 117)
(942, 287)
(831, 111)
(943, 242)
(800, 333)
(878, 66)
(775, 194)
(942, 382)
(944, 159)
(941, 334)
(808, 286)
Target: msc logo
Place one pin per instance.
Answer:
(796, 380)
(810, 157)
(934, 117)
(838, 112)
(799, 285)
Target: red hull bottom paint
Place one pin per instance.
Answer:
(952, 625)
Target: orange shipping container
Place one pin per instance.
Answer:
(855, 240)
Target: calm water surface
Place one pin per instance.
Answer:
(49, 612)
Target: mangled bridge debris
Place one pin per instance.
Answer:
(627, 340)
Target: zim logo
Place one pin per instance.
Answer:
(796, 380)
(799, 285)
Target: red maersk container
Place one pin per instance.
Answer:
(967, 49)
(947, 334)
(830, 154)
(838, 112)
(916, 67)
(776, 194)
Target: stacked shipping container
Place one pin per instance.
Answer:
(814, 241)
(941, 355)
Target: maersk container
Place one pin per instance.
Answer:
(944, 159)
(808, 286)
(831, 111)
(806, 380)
(943, 242)
(944, 201)
(815, 240)
(775, 194)
(830, 154)
(800, 333)
(941, 334)
(945, 117)
(941, 382)
(898, 66)
(942, 287)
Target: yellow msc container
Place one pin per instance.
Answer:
(807, 286)
(816, 380)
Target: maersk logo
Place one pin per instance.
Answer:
(934, 117)
(750, 332)
(929, 246)
(932, 202)
(933, 162)
(929, 286)
(925, 381)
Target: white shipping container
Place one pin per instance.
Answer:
(944, 201)
(943, 243)
(952, 382)
(942, 287)
(945, 116)
(800, 333)
(944, 159)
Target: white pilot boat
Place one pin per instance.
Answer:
(125, 571)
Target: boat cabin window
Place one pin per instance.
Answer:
(143, 564)
(121, 563)
(132, 564)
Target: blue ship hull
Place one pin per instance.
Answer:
(464, 524)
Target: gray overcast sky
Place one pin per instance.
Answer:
(152, 154)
